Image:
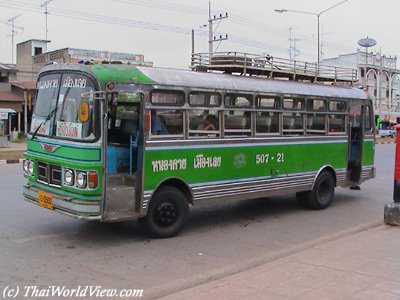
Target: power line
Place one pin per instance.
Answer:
(243, 21)
(21, 5)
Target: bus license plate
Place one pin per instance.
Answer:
(45, 200)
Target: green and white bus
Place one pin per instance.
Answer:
(117, 142)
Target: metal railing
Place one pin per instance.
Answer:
(253, 64)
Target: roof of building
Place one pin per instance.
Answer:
(8, 67)
(10, 96)
(25, 85)
(34, 40)
(7, 110)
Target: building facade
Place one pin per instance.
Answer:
(379, 75)
(74, 56)
(18, 82)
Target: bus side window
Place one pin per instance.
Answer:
(167, 122)
(237, 123)
(337, 124)
(267, 122)
(316, 124)
(293, 123)
(204, 115)
(203, 122)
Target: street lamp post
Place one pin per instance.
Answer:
(314, 14)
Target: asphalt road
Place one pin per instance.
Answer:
(41, 247)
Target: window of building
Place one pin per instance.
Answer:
(204, 99)
(293, 103)
(167, 98)
(38, 50)
(267, 122)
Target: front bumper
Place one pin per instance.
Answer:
(73, 207)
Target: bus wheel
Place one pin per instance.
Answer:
(321, 195)
(166, 214)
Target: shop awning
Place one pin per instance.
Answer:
(4, 112)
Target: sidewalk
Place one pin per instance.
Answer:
(364, 265)
(13, 153)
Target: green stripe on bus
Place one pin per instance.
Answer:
(80, 153)
(216, 164)
(368, 153)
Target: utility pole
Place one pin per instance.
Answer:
(290, 43)
(14, 32)
(296, 51)
(192, 59)
(293, 51)
(46, 12)
(211, 38)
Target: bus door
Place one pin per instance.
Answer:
(123, 150)
(355, 144)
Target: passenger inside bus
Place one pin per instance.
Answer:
(210, 123)
(157, 125)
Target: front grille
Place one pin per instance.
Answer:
(49, 174)
(55, 175)
(42, 172)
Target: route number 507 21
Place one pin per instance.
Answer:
(265, 158)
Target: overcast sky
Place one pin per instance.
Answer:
(253, 26)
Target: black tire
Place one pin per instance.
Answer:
(167, 213)
(302, 199)
(321, 195)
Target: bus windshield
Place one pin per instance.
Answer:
(60, 111)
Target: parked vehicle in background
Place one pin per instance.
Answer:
(391, 132)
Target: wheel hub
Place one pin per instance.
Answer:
(166, 214)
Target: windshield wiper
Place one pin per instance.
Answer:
(49, 116)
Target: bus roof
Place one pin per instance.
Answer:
(185, 78)
(247, 84)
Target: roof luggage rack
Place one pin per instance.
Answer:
(246, 64)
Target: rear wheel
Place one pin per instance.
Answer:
(321, 195)
(166, 214)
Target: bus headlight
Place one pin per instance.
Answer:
(69, 177)
(25, 166)
(81, 179)
(30, 168)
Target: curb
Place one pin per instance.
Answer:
(11, 161)
(164, 290)
(380, 143)
(385, 140)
